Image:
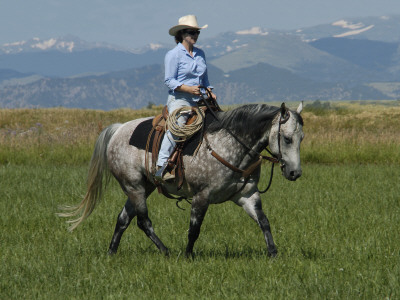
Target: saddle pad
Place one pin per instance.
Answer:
(140, 134)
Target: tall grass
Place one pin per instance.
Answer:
(57, 135)
(341, 133)
(352, 133)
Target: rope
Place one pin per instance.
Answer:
(186, 131)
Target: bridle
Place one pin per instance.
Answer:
(282, 120)
(274, 159)
(277, 159)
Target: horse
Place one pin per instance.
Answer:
(238, 136)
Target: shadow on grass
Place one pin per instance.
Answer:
(229, 253)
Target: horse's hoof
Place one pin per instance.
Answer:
(189, 255)
(111, 252)
(273, 253)
(165, 252)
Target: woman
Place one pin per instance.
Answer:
(185, 72)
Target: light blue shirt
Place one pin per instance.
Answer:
(182, 68)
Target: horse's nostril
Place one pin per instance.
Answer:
(293, 175)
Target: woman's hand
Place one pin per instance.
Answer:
(194, 90)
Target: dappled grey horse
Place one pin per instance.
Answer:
(239, 136)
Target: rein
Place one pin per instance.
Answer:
(227, 129)
(247, 172)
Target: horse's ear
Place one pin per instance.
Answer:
(300, 108)
(283, 109)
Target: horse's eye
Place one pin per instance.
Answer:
(287, 140)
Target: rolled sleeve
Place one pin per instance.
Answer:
(171, 71)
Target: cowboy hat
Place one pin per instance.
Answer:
(189, 21)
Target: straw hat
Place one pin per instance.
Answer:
(189, 21)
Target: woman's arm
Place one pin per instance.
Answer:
(171, 62)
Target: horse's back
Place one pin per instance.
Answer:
(124, 132)
(123, 157)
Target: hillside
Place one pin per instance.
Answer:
(136, 88)
(290, 53)
(58, 64)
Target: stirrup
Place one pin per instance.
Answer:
(161, 175)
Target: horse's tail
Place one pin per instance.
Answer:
(98, 170)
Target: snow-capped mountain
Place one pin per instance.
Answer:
(71, 56)
(382, 28)
(67, 44)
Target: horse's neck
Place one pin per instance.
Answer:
(256, 147)
(262, 142)
(230, 149)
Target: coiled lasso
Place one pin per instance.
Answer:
(188, 130)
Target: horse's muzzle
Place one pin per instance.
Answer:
(291, 175)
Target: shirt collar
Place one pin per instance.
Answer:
(184, 49)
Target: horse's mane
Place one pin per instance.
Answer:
(247, 119)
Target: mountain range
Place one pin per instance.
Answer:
(350, 59)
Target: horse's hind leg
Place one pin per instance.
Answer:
(252, 205)
(136, 206)
(124, 219)
(145, 224)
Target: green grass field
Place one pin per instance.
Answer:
(336, 228)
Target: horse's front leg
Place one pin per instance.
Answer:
(198, 211)
(252, 205)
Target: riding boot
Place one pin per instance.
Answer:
(161, 173)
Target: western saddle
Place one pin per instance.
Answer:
(175, 161)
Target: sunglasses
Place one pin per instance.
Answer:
(192, 32)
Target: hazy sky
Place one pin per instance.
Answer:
(135, 23)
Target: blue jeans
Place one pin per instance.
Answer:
(174, 102)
